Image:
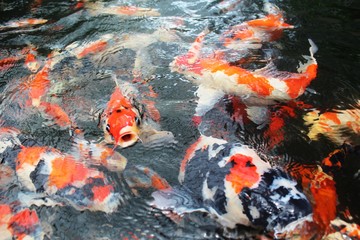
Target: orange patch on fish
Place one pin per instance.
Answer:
(127, 10)
(65, 171)
(101, 192)
(189, 154)
(270, 21)
(328, 163)
(243, 173)
(258, 84)
(9, 62)
(158, 182)
(331, 116)
(93, 48)
(39, 85)
(29, 155)
(325, 199)
(152, 110)
(22, 223)
(300, 81)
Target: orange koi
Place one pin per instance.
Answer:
(120, 120)
(330, 124)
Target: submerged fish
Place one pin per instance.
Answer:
(252, 33)
(22, 23)
(260, 87)
(331, 124)
(46, 172)
(233, 184)
(96, 8)
(19, 224)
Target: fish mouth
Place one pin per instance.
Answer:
(128, 136)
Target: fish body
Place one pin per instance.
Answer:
(46, 171)
(252, 33)
(232, 183)
(22, 23)
(260, 87)
(331, 123)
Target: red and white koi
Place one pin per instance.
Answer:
(331, 124)
(232, 183)
(264, 86)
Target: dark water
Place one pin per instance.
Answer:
(76, 86)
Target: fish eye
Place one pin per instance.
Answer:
(118, 111)
(108, 127)
(137, 120)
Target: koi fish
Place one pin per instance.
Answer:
(344, 230)
(22, 23)
(46, 172)
(124, 120)
(232, 183)
(30, 60)
(9, 62)
(56, 114)
(8, 138)
(97, 8)
(252, 33)
(19, 224)
(331, 124)
(264, 86)
(97, 154)
(83, 49)
(139, 177)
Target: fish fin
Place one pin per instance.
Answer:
(37, 199)
(258, 115)
(313, 48)
(150, 137)
(140, 177)
(177, 200)
(208, 97)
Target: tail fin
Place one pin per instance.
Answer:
(313, 48)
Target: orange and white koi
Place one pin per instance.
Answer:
(64, 179)
(331, 124)
(97, 8)
(22, 23)
(231, 182)
(120, 120)
(19, 224)
(264, 86)
(83, 49)
(126, 120)
(252, 33)
(56, 114)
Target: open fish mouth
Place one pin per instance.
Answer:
(127, 138)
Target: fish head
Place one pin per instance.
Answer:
(121, 127)
(276, 203)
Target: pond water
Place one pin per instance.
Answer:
(82, 87)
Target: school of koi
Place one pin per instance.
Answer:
(236, 181)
